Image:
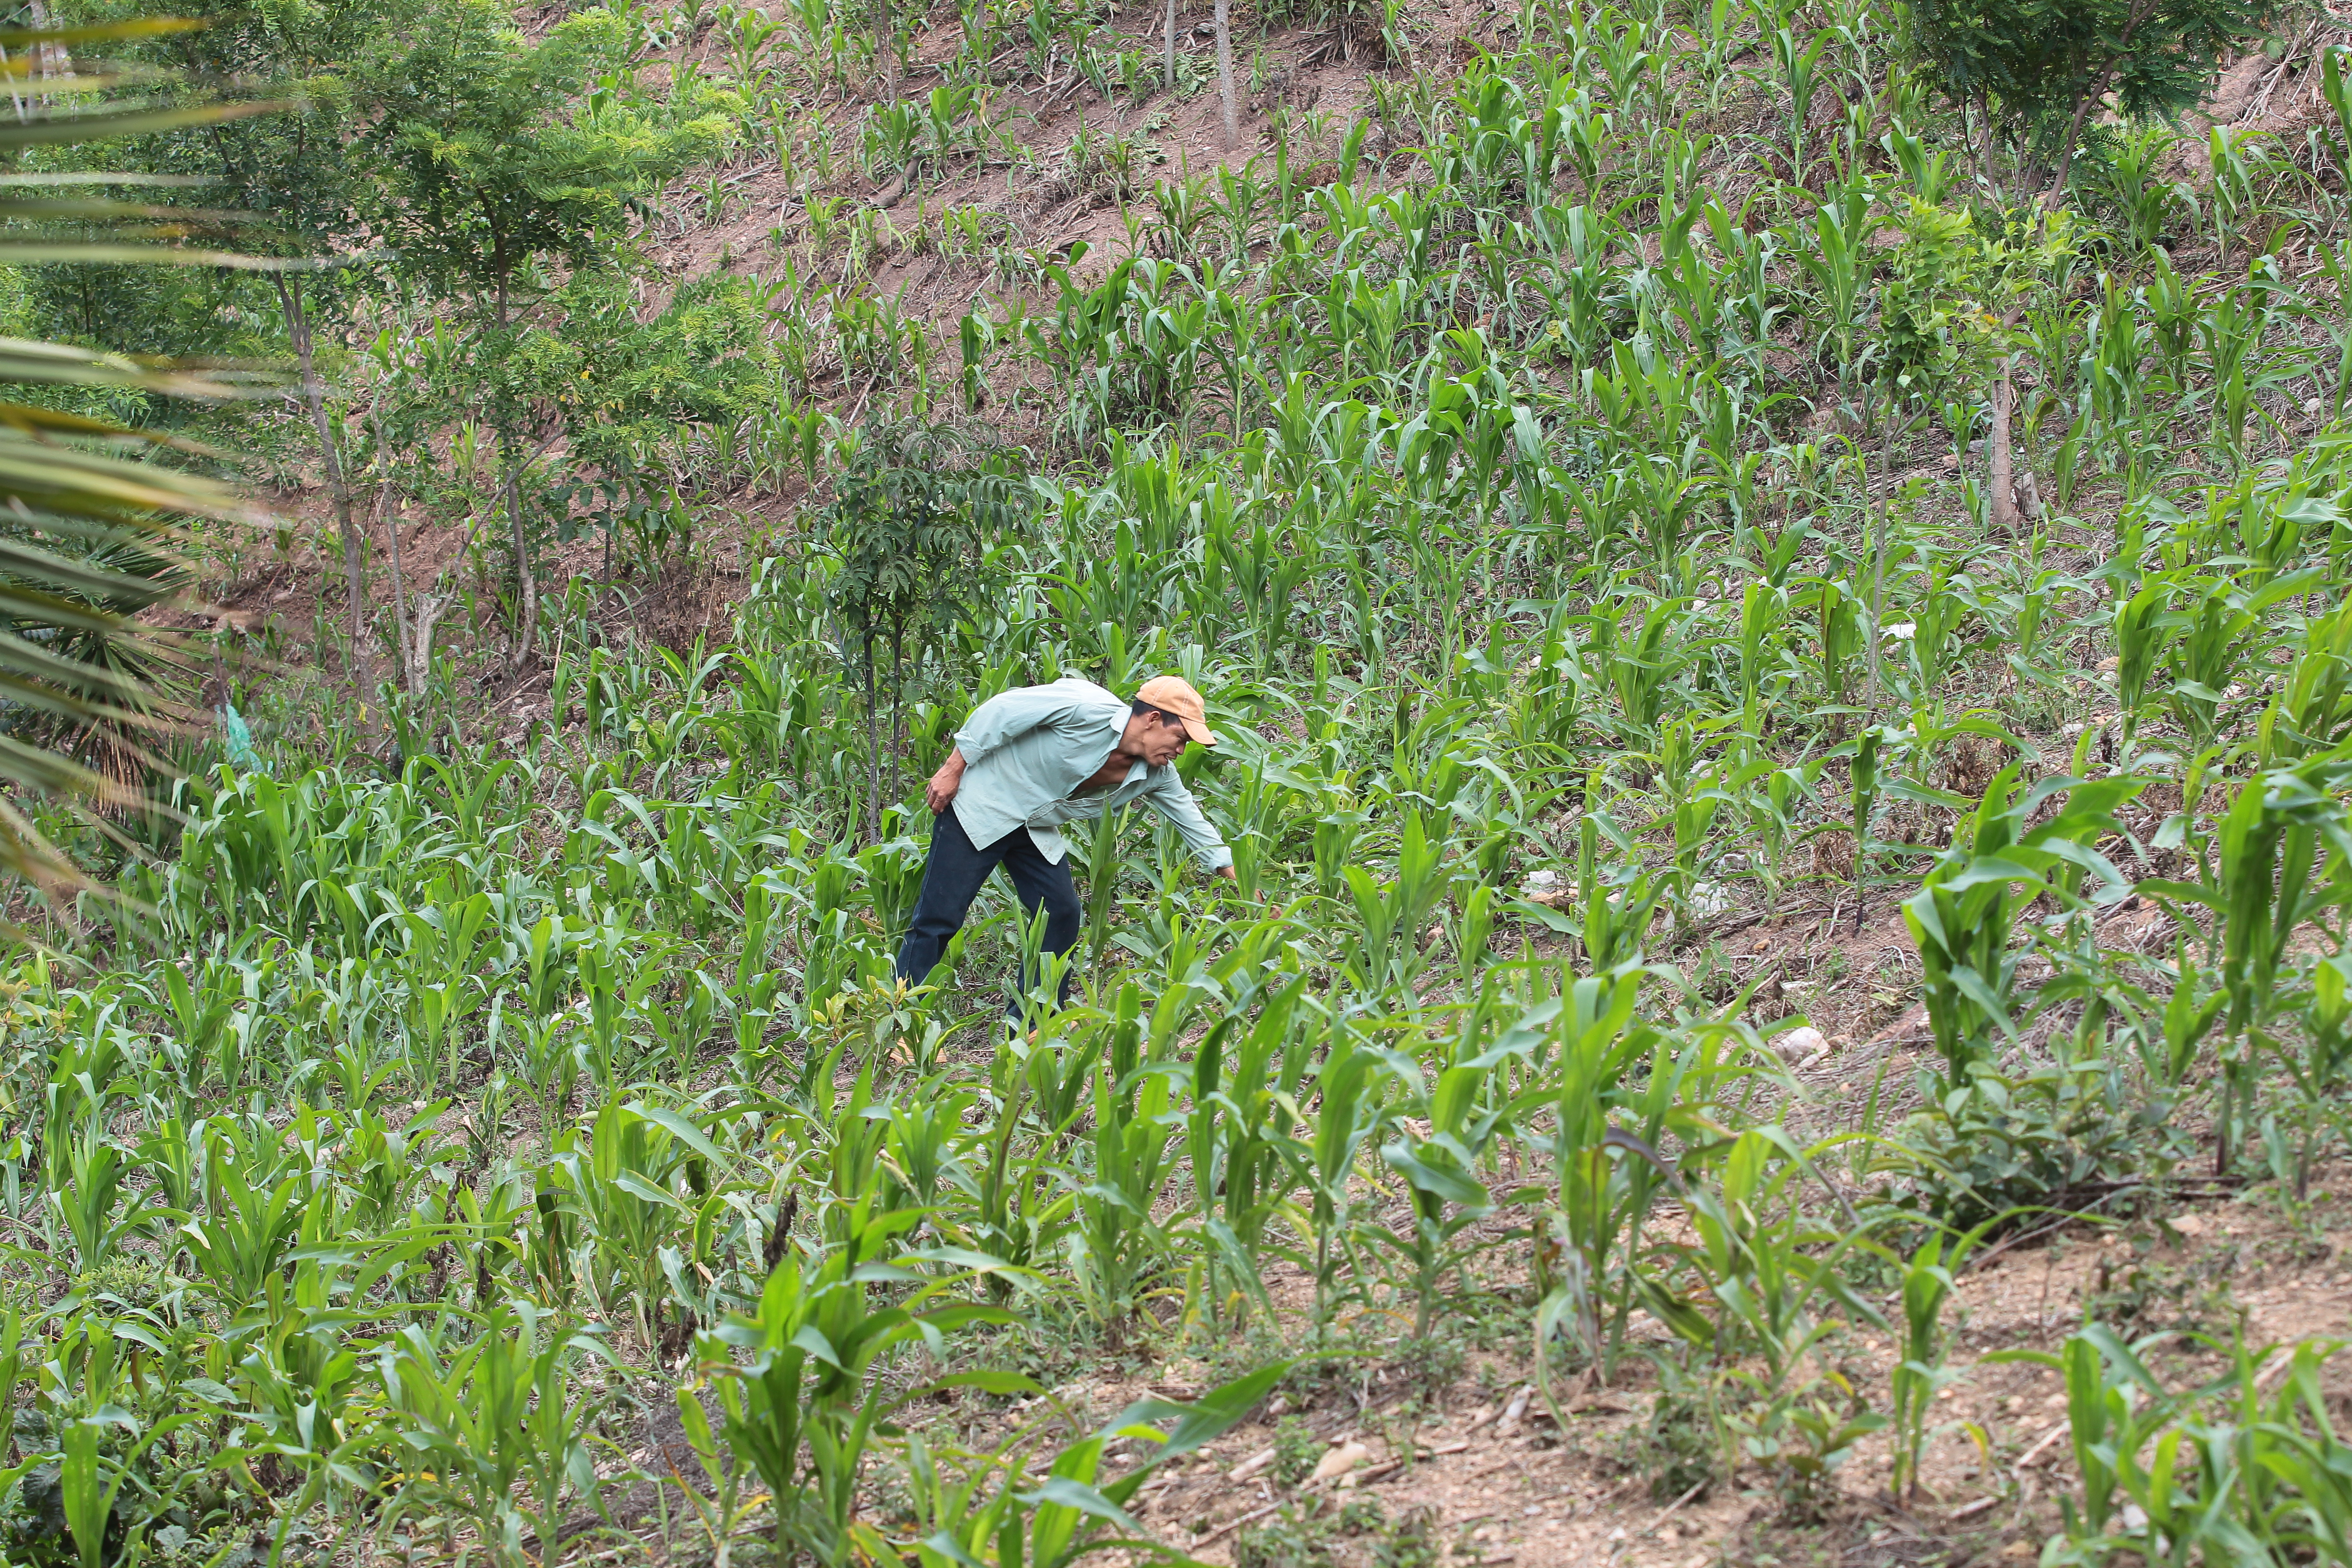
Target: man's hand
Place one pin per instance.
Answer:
(1230, 875)
(945, 783)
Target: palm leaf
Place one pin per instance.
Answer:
(97, 526)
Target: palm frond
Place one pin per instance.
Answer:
(94, 527)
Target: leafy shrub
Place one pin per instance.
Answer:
(2052, 1136)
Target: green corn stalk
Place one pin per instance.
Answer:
(2115, 1406)
(1069, 1512)
(1618, 903)
(2283, 843)
(2312, 713)
(2215, 631)
(490, 1413)
(1839, 614)
(802, 1411)
(622, 1185)
(1862, 779)
(1965, 916)
(1117, 1242)
(1439, 1170)
(2143, 630)
(1921, 1373)
(1102, 884)
(1762, 610)
(254, 1208)
(86, 1181)
(1349, 1110)
(1766, 1267)
(1238, 1138)
(1597, 1203)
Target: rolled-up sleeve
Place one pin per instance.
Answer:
(1168, 797)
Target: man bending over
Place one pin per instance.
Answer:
(1027, 762)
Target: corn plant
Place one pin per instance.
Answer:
(2280, 842)
(1440, 1168)
(1599, 1197)
(1073, 1508)
(1240, 1139)
(1965, 916)
(1615, 903)
(802, 1410)
(256, 1195)
(2311, 711)
(2115, 1407)
(481, 1418)
(1921, 1373)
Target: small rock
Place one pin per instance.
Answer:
(1803, 1043)
(1340, 1460)
(2190, 1224)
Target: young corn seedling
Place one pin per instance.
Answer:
(2283, 843)
(2312, 713)
(1964, 917)
(1921, 1374)
(2143, 630)
(1118, 1242)
(1598, 1201)
(2114, 1406)
(802, 1410)
(2218, 628)
(478, 1418)
(1440, 1171)
(1240, 1137)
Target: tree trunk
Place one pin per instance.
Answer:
(297, 332)
(1877, 564)
(873, 744)
(898, 703)
(420, 643)
(526, 629)
(1226, 74)
(2001, 476)
(384, 514)
(1168, 48)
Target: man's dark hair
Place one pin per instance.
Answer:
(1139, 708)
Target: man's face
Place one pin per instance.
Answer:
(1163, 741)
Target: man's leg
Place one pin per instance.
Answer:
(1040, 881)
(951, 877)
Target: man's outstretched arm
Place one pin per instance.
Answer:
(1174, 802)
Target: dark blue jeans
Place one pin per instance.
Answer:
(952, 878)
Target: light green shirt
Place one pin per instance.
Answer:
(1026, 750)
